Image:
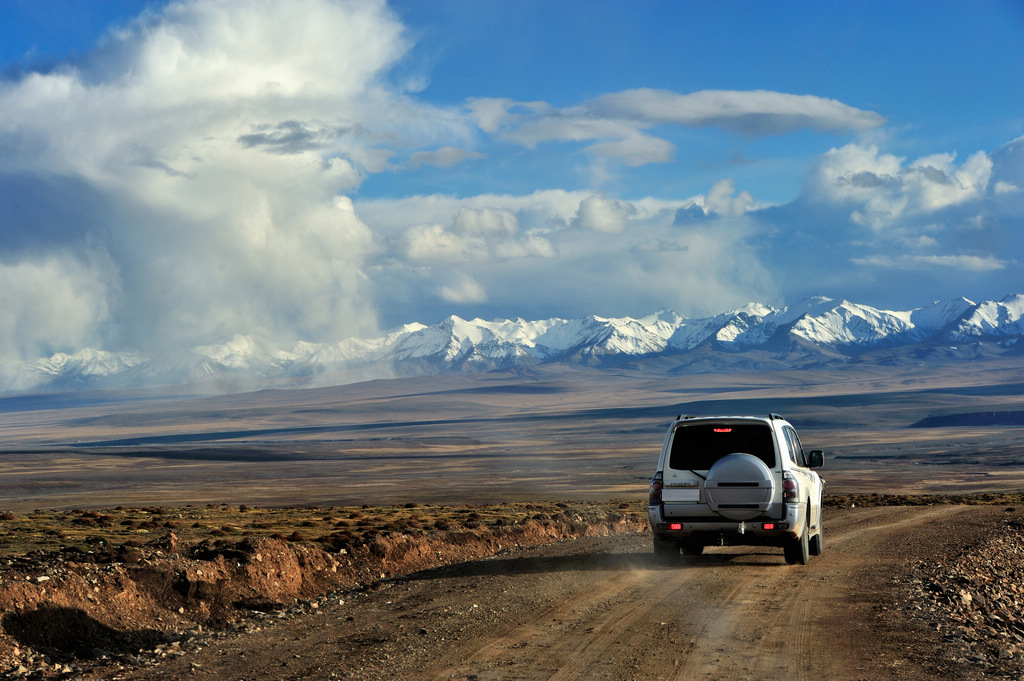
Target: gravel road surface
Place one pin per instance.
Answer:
(602, 608)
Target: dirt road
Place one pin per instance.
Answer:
(603, 609)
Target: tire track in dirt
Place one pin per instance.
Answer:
(785, 634)
(636, 611)
(565, 640)
(532, 634)
(606, 609)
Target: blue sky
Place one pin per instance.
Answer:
(173, 174)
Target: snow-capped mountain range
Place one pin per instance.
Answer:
(818, 326)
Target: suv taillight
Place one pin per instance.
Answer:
(654, 496)
(790, 489)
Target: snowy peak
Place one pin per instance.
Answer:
(940, 314)
(1000, 319)
(625, 336)
(749, 326)
(455, 344)
(845, 323)
(88, 362)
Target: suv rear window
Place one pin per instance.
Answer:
(698, 447)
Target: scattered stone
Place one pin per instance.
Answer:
(979, 598)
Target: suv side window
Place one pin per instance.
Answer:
(795, 449)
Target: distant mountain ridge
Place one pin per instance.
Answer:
(815, 326)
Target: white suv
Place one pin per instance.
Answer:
(736, 480)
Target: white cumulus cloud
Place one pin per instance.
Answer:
(721, 200)
(464, 290)
(475, 234)
(220, 138)
(435, 243)
(565, 253)
(496, 221)
(882, 189)
(602, 214)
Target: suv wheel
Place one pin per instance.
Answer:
(666, 553)
(692, 548)
(797, 550)
(816, 543)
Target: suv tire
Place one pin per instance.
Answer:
(798, 551)
(692, 548)
(666, 553)
(816, 544)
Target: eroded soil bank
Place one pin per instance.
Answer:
(604, 608)
(65, 614)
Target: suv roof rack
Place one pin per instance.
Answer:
(776, 417)
(685, 416)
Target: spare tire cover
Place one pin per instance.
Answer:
(739, 487)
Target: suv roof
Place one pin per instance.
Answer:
(766, 417)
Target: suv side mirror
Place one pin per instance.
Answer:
(816, 459)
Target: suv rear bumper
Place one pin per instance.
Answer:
(713, 530)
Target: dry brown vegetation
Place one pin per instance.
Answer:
(111, 534)
(98, 533)
(987, 498)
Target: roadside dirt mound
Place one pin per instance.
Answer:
(63, 612)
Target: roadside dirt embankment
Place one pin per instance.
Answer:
(132, 605)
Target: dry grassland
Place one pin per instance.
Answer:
(97, 533)
(494, 438)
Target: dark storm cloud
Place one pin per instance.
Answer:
(290, 137)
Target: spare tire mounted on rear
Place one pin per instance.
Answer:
(739, 486)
